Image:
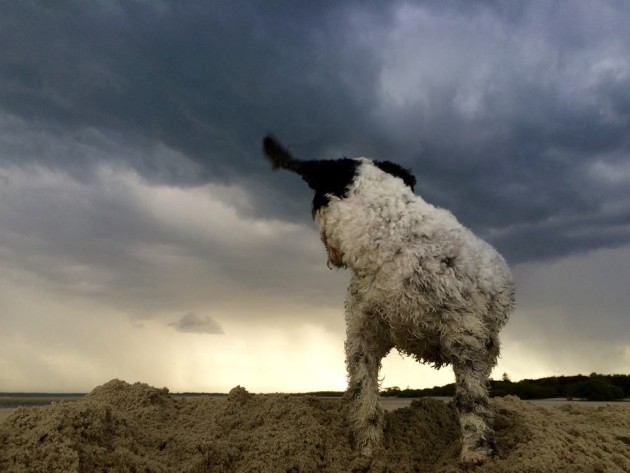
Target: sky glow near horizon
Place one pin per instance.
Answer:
(144, 237)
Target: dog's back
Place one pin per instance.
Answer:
(414, 263)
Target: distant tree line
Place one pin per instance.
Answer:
(596, 387)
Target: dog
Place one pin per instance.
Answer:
(421, 283)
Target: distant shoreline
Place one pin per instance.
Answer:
(13, 400)
(9, 402)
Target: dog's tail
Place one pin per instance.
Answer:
(279, 156)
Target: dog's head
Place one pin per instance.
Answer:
(329, 179)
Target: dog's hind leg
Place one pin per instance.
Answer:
(367, 342)
(475, 418)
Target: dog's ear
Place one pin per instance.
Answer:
(398, 171)
(323, 176)
(278, 155)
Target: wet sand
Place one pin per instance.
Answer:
(123, 427)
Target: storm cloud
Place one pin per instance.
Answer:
(506, 114)
(131, 174)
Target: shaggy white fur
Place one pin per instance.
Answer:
(421, 283)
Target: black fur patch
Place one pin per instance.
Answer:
(328, 177)
(398, 171)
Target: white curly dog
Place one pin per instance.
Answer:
(421, 283)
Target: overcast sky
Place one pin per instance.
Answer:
(144, 237)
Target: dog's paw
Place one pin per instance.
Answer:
(473, 458)
(470, 457)
(367, 450)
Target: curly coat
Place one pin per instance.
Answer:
(421, 283)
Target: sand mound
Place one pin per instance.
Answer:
(133, 428)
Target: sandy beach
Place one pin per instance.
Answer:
(124, 427)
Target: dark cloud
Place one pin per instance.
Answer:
(501, 110)
(205, 79)
(197, 324)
